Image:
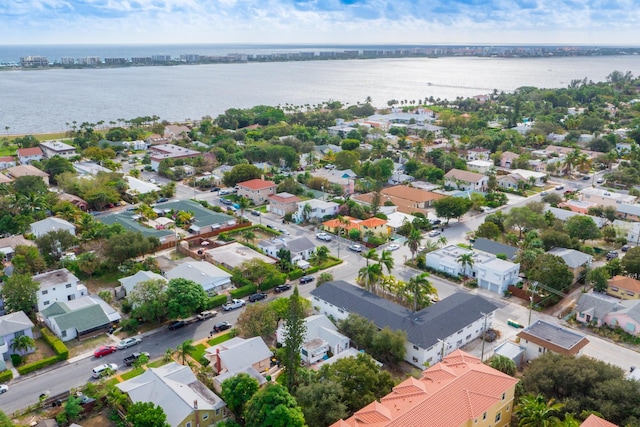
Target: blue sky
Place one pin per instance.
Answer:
(613, 22)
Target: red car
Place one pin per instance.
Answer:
(104, 350)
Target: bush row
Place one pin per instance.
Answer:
(243, 291)
(273, 281)
(30, 367)
(216, 301)
(6, 376)
(56, 344)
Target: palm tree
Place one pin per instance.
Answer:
(370, 275)
(420, 286)
(535, 411)
(386, 260)
(321, 255)
(465, 260)
(22, 344)
(414, 239)
(185, 348)
(244, 203)
(168, 354)
(306, 212)
(371, 254)
(442, 241)
(248, 235)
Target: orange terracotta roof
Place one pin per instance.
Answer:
(257, 184)
(33, 151)
(410, 193)
(6, 159)
(595, 421)
(287, 198)
(626, 283)
(333, 223)
(372, 222)
(450, 393)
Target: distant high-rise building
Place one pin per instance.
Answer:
(34, 61)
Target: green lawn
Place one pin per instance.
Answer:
(198, 353)
(132, 373)
(330, 263)
(219, 339)
(157, 363)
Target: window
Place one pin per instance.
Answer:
(459, 343)
(188, 424)
(18, 334)
(64, 334)
(218, 411)
(415, 347)
(484, 416)
(429, 360)
(415, 359)
(460, 331)
(498, 416)
(508, 408)
(205, 416)
(68, 285)
(504, 395)
(539, 349)
(45, 292)
(614, 289)
(45, 303)
(630, 293)
(340, 310)
(468, 337)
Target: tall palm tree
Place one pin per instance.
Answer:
(535, 411)
(414, 239)
(244, 203)
(248, 235)
(321, 255)
(185, 348)
(386, 260)
(370, 275)
(420, 287)
(306, 212)
(442, 241)
(371, 254)
(465, 260)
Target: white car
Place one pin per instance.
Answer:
(4, 388)
(233, 304)
(356, 248)
(323, 236)
(129, 342)
(434, 233)
(393, 247)
(101, 370)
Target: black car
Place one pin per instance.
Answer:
(306, 279)
(436, 222)
(586, 178)
(214, 189)
(177, 325)
(282, 288)
(271, 226)
(255, 213)
(257, 297)
(625, 248)
(612, 255)
(162, 200)
(222, 326)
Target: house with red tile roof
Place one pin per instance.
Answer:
(374, 225)
(459, 391)
(623, 287)
(28, 155)
(407, 199)
(257, 190)
(595, 421)
(7, 162)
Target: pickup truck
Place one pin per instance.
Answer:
(207, 314)
(233, 304)
(129, 360)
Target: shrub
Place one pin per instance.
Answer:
(243, 291)
(129, 325)
(296, 274)
(273, 281)
(30, 367)
(56, 344)
(216, 301)
(126, 306)
(376, 240)
(17, 360)
(313, 270)
(6, 376)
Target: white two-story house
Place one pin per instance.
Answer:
(492, 273)
(465, 180)
(318, 209)
(58, 285)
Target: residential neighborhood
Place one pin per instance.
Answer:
(347, 265)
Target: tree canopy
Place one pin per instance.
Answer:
(146, 414)
(184, 297)
(273, 406)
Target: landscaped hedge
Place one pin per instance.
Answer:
(6, 376)
(313, 270)
(25, 369)
(273, 281)
(296, 274)
(216, 301)
(243, 291)
(56, 344)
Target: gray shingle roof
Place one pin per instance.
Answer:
(554, 334)
(423, 328)
(596, 306)
(489, 246)
(631, 309)
(300, 244)
(571, 257)
(14, 322)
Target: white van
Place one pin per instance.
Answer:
(100, 371)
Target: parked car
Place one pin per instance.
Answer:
(282, 288)
(162, 200)
(233, 304)
(356, 248)
(223, 192)
(222, 326)
(4, 388)
(324, 236)
(105, 350)
(600, 180)
(271, 226)
(544, 193)
(612, 255)
(283, 231)
(214, 189)
(226, 202)
(306, 279)
(101, 370)
(393, 247)
(257, 297)
(129, 342)
(559, 187)
(434, 233)
(586, 178)
(207, 314)
(177, 325)
(625, 248)
(255, 213)
(128, 361)
(435, 222)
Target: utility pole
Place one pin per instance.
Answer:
(533, 292)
